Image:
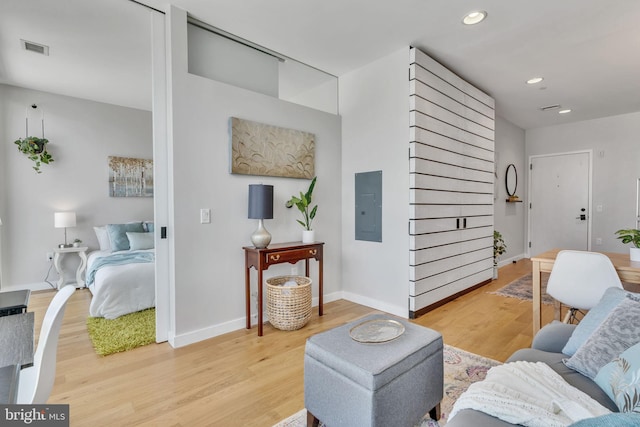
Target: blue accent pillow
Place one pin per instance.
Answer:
(138, 241)
(149, 227)
(620, 379)
(619, 331)
(118, 234)
(611, 298)
(615, 419)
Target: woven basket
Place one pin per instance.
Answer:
(289, 308)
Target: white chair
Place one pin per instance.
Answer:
(579, 279)
(35, 383)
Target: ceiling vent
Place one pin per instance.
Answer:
(550, 107)
(35, 47)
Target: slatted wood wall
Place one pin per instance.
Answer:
(451, 154)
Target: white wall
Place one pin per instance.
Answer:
(374, 104)
(208, 286)
(509, 218)
(82, 134)
(616, 168)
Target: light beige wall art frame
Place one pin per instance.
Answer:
(129, 177)
(260, 149)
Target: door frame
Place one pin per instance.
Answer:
(589, 194)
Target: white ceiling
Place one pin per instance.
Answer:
(588, 51)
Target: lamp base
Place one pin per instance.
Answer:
(261, 237)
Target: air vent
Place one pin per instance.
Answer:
(35, 47)
(550, 107)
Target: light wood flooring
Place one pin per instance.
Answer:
(239, 379)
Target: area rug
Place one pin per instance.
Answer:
(461, 369)
(123, 333)
(522, 289)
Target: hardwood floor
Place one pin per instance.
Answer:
(239, 379)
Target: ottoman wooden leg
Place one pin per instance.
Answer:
(312, 421)
(434, 413)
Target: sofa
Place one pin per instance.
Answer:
(585, 356)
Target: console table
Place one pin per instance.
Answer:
(278, 253)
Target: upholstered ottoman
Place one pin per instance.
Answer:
(393, 383)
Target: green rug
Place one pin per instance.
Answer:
(124, 333)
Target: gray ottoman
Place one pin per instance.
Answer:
(352, 384)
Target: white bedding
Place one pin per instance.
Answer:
(121, 289)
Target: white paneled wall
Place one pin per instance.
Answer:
(451, 184)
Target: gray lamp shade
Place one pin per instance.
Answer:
(260, 201)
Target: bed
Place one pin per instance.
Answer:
(122, 281)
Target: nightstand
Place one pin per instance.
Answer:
(82, 253)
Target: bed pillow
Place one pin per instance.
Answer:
(148, 226)
(139, 241)
(610, 299)
(118, 234)
(620, 379)
(103, 238)
(619, 331)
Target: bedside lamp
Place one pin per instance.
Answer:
(260, 208)
(64, 220)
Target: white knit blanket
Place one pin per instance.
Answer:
(530, 394)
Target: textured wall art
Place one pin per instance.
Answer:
(130, 177)
(260, 149)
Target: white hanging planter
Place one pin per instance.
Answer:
(308, 236)
(634, 254)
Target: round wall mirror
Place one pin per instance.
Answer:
(511, 180)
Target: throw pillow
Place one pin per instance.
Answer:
(148, 226)
(138, 241)
(611, 298)
(118, 234)
(619, 331)
(103, 238)
(620, 379)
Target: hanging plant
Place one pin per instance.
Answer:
(35, 149)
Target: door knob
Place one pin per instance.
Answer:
(582, 217)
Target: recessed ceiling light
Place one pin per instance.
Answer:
(565, 111)
(474, 17)
(535, 80)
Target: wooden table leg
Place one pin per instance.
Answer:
(320, 290)
(260, 301)
(537, 300)
(247, 293)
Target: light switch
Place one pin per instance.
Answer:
(205, 216)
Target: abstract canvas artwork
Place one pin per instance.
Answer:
(129, 177)
(260, 149)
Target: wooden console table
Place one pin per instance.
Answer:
(278, 253)
(629, 271)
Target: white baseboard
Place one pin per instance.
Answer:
(41, 286)
(377, 305)
(508, 261)
(232, 325)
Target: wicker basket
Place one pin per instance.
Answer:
(289, 307)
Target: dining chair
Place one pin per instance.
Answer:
(579, 279)
(36, 382)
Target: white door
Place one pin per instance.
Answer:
(559, 202)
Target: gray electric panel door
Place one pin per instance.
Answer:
(369, 206)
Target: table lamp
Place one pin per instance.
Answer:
(64, 220)
(260, 208)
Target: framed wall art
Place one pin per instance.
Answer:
(129, 177)
(261, 149)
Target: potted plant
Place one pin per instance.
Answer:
(76, 243)
(499, 247)
(303, 203)
(631, 235)
(35, 149)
